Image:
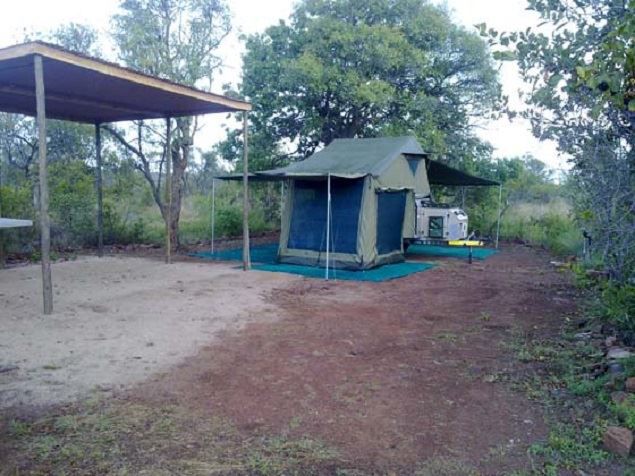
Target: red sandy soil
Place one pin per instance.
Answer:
(390, 374)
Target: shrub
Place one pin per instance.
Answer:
(618, 306)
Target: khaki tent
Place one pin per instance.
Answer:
(372, 187)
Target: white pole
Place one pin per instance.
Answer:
(328, 223)
(498, 223)
(213, 211)
(281, 201)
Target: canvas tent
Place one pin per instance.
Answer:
(372, 188)
(372, 185)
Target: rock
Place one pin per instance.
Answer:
(618, 440)
(630, 384)
(610, 341)
(616, 368)
(617, 353)
(618, 397)
(582, 336)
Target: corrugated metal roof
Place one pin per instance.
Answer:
(84, 89)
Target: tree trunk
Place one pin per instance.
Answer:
(179, 154)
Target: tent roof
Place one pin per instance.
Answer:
(84, 89)
(351, 158)
(354, 158)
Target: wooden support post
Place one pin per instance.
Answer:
(246, 257)
(45, 225)
(328, 225)
(168, 186)
(213, 213)
(100, 192)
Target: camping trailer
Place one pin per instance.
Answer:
(438, 222)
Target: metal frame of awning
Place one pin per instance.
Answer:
(49, 82)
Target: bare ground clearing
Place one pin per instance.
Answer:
(116, 321)
(334, 378)
(389, 373)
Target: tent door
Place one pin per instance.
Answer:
(391, 206)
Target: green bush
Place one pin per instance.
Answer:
(72, 204)
(618, 306)
(16, 202)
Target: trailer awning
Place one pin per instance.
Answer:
(84, 89)
(441, 174)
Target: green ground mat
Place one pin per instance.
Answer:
(381, 273)
(259, 254)
(264, 259)
(450, 251)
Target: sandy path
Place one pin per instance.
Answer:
(116, 321)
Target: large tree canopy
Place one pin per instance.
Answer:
(360, 68)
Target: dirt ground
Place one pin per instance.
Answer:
(390, 373)
(116, 321)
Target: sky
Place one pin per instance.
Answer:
(252, 16)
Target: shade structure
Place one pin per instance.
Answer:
(49, 82)
(84, 89)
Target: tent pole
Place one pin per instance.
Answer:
(281, 201)
(213, 211)
(328, 223)
(100, 192)
(246, 257)
(498, 223)
(168, 186)
(45, 225)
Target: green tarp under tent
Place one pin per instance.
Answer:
(352, 204)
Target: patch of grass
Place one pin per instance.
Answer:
(279, 455)
(51, 367)
(447, 336)
(126, 438)
(445, 467)
(567, 376)
(569, 447)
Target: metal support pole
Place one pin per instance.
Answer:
(498, 223)
(213, 212)
(281, 201)
(246, 257)
(45, 225)
(168, 186)
(328, 224)
(100, 192)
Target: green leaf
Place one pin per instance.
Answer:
(582, 72)
(504, 55)
(631, 105)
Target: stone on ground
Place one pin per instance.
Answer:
(618, 440)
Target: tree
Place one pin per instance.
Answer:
(359, 68)
(582, 72)
(176, 40)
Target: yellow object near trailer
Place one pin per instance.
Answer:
(465, 243)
